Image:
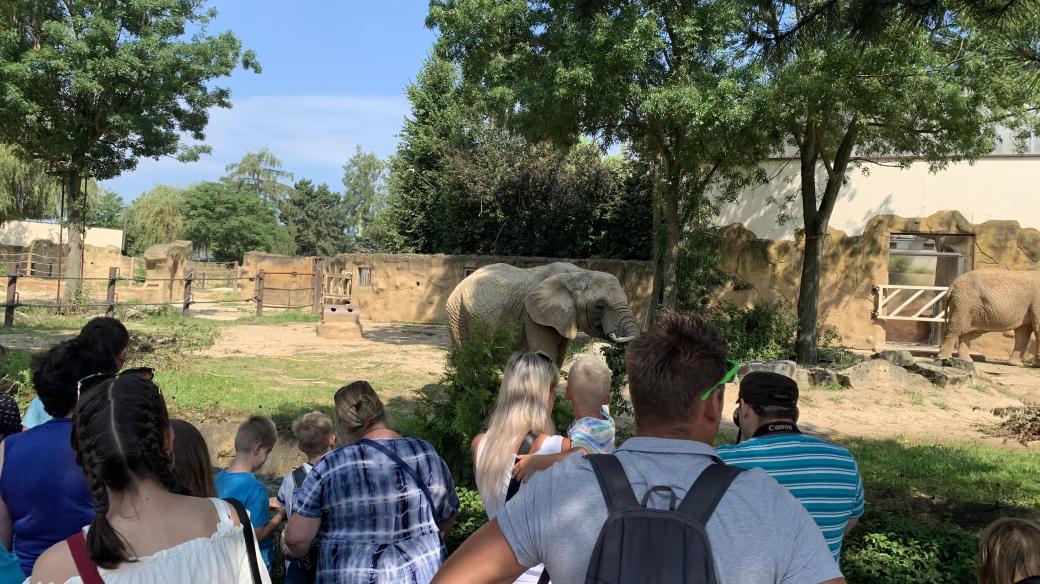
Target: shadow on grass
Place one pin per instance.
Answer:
(408, 334)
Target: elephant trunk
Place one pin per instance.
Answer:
(620, 326)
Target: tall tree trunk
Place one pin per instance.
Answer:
(812, 255)
(77, 234)
(670, 244)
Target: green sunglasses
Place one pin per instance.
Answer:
(730, 375)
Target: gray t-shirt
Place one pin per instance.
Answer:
(759, 533)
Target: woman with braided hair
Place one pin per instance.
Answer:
(142, 532)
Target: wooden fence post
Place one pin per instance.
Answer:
(110, 296)
(28, 263)
(188, 277)
(318, 284)
(259, 297)
(238, 277)
(12, 293)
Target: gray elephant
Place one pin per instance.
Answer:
(547, 305)
(992, 301)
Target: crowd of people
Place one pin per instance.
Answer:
(99, 485)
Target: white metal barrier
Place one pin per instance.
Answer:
(886, 296)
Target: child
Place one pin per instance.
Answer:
(1009, 552)
(253, 443)
(588, 390)
(315, 438)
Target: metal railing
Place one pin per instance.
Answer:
(903, 298)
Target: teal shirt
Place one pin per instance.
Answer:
(35, 414)
(253, 495)
(822, 475)
(10, 571)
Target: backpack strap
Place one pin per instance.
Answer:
(702, 498)
(525, 447)
(247, 533)
(86, 568)
(613, 482)
(407, 470)
(298, 475)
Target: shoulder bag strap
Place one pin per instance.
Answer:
(525, 447)
(613, 482)
(88, 571)
(702, 498)
(407, 470)
(247, 533)
(298, 475)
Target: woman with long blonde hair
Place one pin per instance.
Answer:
(1009, 552)
(523, 408)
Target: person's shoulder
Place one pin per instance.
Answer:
(54, 565)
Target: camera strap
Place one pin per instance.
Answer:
(774, 428)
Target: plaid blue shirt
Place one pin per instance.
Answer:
(376, 525)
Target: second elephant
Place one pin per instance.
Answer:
(546, 305)
(992, 301)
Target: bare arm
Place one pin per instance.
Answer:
(446, 526)
(300, 534)
(485, 558)
(835, 581)
(529, 464)
(852, 523)
(265, 531)
(54, 565)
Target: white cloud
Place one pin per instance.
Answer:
(312, 134)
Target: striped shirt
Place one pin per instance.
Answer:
(593, 434)
(820, 474)
(377, 527)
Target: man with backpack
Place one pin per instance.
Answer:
(664, 509)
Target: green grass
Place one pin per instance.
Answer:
(283, 317)
(916, 398)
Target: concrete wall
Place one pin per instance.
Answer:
(22, 233)
(281, 286)
(993, 188)
(414, 288)
(852, 265)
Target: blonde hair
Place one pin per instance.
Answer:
(312, 433)
(358, 409)
(589, 382)
(1009, 551)
(256, 430)
(522, 406)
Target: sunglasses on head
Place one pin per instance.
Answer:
(546, 357)
(728, 377)
(145, 373)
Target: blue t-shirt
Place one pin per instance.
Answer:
(44, 489)
(35, 414)
(253, 495)
(10, 570)
(822, 475)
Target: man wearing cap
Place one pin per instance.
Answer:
(820, 474)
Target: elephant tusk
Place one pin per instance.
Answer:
(620, 340)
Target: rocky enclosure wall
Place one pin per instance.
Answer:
(414, 288)
(288, 280)
(853, 265)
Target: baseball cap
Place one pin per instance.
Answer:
(765, 388)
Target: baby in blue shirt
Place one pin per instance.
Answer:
(593, 430)
(254, 441)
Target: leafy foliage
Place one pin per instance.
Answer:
(762, 332)
(615, 357)
(26, 190)
(364, 192)
(450, 414)
(105, 209)
(1020, 423)
(317, 220)
(155, 217)
(261, 173)
(468, 518)
(228, 223)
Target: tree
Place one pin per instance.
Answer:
(317, 219)
(26, 190)
(227, 223)
(932, 92)
(105, 209)
(261, 173)
(364, 190)
(90, 87)
(669, 79)
(155, 217)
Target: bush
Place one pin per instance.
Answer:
(886, 548)
(469, 517)
(762, 332)
(615, 357)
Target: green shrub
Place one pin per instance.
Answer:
(762, 332)
(615, 356)
(469, 517)
(448, 415)
(887, 548)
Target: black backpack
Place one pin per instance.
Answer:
(640, 545)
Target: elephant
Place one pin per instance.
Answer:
(992, 301)
(547, 305)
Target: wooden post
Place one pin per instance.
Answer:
(259, 293)
(12, 293)
(188, 277)
(238, 275)
(318, 283)
(28, 263)
(110, 296)
(202, 283)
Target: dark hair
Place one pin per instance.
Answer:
(118, 434)
(191, 463)
(108, 334)
(775, 412)
(358, 409)
(56, 371)
(671, 365)
(256, 430)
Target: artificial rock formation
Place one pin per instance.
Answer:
(165, 264)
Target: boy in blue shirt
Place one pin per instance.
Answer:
(254, 441)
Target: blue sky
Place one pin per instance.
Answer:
(334, 74)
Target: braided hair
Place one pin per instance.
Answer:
(118, 434)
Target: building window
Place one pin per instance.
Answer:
(364, 276)
(467, 271)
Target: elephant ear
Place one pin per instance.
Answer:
(551, 303)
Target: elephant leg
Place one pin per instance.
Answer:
(544, 339)
(1022, 335)
(964, 352)
(949, 344)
